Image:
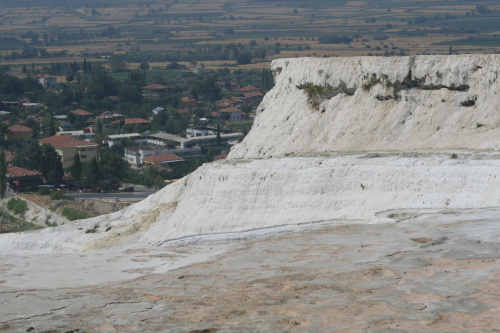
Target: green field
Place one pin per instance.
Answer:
(158, 31)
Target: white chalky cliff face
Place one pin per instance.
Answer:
(378, 104)
(415, 112)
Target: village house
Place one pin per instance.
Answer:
(114, 99)
(157, 110)
(67, 147)
(200, 131)
(248, 89)
(133, 121)
(18, 132)
(111, 116)
(227, 85)
(182, 112)
(82, 113)
(220, 157)
(251, 96)
(156, 91)
(47, 81)
(199, 69)
(165, 160)
(227, 102)
(10, 157)
(21, 180)
(188, 102)
(135, 155)
(230, 114)
(117, 139)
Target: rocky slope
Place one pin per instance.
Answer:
(413, 109)
(378, 104)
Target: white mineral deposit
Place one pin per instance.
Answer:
(365, 198)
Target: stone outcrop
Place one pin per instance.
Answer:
(339, 140)
(377, 104)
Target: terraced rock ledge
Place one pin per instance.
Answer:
(365, 198)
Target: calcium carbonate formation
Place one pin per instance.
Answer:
(340, 140)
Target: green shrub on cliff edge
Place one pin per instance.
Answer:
(60, 196)
(17, 206)
(72, 214)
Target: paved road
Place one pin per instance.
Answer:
(139, 194)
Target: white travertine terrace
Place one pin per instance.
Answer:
(304, 163)
(433, 112)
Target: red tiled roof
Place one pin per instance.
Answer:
(46, 76)
(166, 157)
(9, 156)
(18, 121)
(60, 141)
(229, 110)
(220, 157)
(223, 83)
(224, 102)
(248, 89)
(20, 172)
(182, 111)
(156, 87)
(19, 128)
(131, 121)
(253, 94)
(80, 112)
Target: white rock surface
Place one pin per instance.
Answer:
(419, 119)
(240, 195)
(233, 197)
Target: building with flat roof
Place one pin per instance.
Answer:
(116, 139)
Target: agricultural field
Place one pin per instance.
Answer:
(215, 32)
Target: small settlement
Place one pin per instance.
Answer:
(164, 137)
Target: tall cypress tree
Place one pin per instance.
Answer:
(77, 167)
(94, 167)
(3, 171)
(219, 141)
(52, 128)
(91, 173)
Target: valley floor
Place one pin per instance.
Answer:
(437, 271)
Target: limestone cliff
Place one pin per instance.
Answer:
(410, 111)
(378, 104)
